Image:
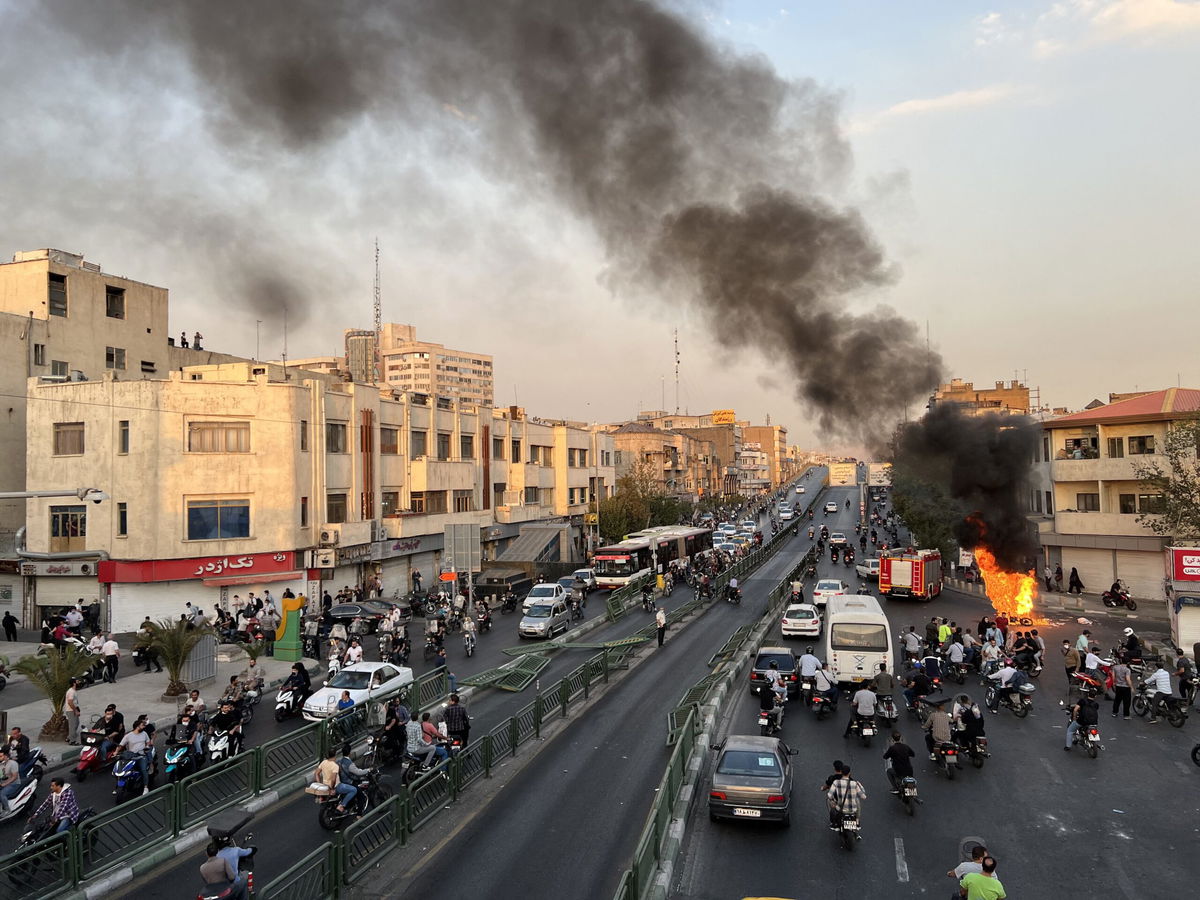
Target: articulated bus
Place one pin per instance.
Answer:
(619, 564)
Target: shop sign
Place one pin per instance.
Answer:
(1184, 563)
(122, 571)
(45, 567)
(357, 554)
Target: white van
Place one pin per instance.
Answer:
(857, 638)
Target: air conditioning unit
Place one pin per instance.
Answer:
(325, 558)
(378, 532)
(330, 535)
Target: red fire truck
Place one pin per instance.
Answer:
(917, 574)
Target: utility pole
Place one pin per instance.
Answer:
(285, 336)
(257, 339)
(378, 320)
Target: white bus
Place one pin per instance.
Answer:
(857, 638)
(619, 564)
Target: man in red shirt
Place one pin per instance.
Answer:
(1002, 624)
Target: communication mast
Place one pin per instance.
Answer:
(378, 321)
(676, 371)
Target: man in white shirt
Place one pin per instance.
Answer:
(824, 684)
(112, 657)
(1160, 683)
(74, 618)
(990, 652)
(955, 652)
(1003, 687)
(1092, 663)
(354, 652)
(862, 706)
(809, 664)
(912, 642)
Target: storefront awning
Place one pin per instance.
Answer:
(230, 580)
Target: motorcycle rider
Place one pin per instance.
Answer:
(328, 773)
(884, 683)
(912, 642)
(809, 664)
(732, 588)
(968, 720)
(18, 749)
(1132, 647)
(112, 725)
(1161, 681)
(1084, 713)
(824, 685)
(216, 869)
(299, 682)
(845, 798)
(1184, 672)
(347, 772)
(1004, 684)
(228, 720)
(937, 728)
(458, 722)
(919, 685)
(862, 707)
(899, 758)
(768, 702)
(396, 718)
(141, 743)
(62, 805)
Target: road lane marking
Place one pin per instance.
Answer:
(901, 865)
(1054, 776)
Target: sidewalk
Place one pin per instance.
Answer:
(134, 693)
(1086, 604)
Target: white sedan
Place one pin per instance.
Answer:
(801, 620)
(363, 680)
(837, 539)
(826, 588)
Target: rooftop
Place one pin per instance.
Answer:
(1164, 405)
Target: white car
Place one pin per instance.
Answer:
(831, 507)
(837, 539)
(749, 525)
(868, 568)
(801, 620)
(826, 588)
(726, 547)
(587, 576)
(363, 680)
(544, 593)
(800, 489)
(786, 514)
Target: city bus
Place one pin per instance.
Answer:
(621, 563)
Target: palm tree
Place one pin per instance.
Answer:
(253, 649)
(51, 674)
(173, 640)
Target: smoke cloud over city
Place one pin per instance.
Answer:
(705, 174)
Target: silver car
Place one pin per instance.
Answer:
(752, 779)
(544, 620)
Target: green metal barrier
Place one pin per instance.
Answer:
(522, 674)
(289, 755)
(430, 690)
(44, 869)
(528, 721)
(125, 831)
(731, 646)
(471, 764)
(215, 788)
(316, 877)
(371, 837)
(429, 794)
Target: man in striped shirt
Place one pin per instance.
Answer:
(845, 799)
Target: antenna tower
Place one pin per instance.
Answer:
(676, 371)
(378, 321)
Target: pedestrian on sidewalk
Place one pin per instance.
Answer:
(10, 626)
(1048, 575)
(71, 708)
(112, 658)
(1074, 584)
(1058, 577)
(660, 619)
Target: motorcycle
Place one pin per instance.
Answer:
(469, 643)
(976, 749)
(1120, 598)
(89, 756)
(129, 776)
(431, 647)
(810, 532)
(833, 553)
(509, 603)
(1176, 710)
(821, 706)
(908, 794)
(1088, 736)
(27, 795)
(811, 571)
(956, 671)
(806, 691)
(483, 622)
(221, 745)
(179, 759)
(770, 721)
(733, 595)
(372, 791)
(288, 702)
(886, 710)
(864, 727)
(946, 759)
(848, 830)
(222, 828)
(647, 601)
(1019, 701)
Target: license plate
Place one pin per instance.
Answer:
(748, 813)
(867, 732)
(910, 792)
(850, 824)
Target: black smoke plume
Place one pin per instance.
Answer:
(978, 469)
(701, 169)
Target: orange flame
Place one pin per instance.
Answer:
(1011, 593)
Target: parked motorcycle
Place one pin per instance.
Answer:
(89, 756)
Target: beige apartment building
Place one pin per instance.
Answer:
(682, 465)
(1005, 397)
(250, 477)
(1088, 516)
(771, 441)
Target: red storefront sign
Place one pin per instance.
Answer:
(1185, 563)
(114, 571)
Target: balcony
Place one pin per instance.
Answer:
(1102, 469)
(509, 515)
(429, 474)
(1100, 523)
(411, 525)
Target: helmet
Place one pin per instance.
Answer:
(808, 649)
(1127, 632)
(1008, 661)
(774, 665)
(918, 666)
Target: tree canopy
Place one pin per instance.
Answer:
(1173, 473)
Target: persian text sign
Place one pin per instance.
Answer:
(1185, 563)
(119, 571)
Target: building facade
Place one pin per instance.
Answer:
(772, 441)
(681, 465)
(1005, 397)
(1089, 515)
(248, 476)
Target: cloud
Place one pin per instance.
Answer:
(958, 100)
(1073, 24)
(991, 28)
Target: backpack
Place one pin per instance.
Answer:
(1088, 711)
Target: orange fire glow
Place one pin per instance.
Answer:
(1011, 593)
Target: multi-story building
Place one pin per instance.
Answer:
(1090, 512)
(681, 465)
(754, 469)
(719, 428)
(249, 476)
(360, 355)
(772, 441)
(413, 365)
(1005, 397)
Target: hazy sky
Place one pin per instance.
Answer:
(1028, 168)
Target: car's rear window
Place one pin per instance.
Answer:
(858, 636)
(829, 585)
(786, 661)
(796, 612)
(750, 763)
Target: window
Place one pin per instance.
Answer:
(531, 496)
(218, 437)
(304, 435)
(39, 354)
(114, 358)
(303, 512)
(68, 438)
(335, 437)
(497, 448)
(1046, 449)
(123, 436)
(214, 520)
(1037, 501)
(466, 446)
(516, 452)
(1141, 445)
(335, 508)
(389, 441)
(443, 445)
(114, 302)
(149, 366)
(1087, 502)
(58, 295)
(58, 368)
(1049, 503)
(429, 501)
(68, 521)
(1116, 448)
(464, 501)
(1127, 504)
(617, 457)
(498, 490)
(122, 520)
(418, 444)
(391, 502)
(1151, 503)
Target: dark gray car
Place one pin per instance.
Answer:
(752, 779)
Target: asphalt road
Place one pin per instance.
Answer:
(297, 816)
(1121, 825)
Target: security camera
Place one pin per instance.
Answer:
(94, 494)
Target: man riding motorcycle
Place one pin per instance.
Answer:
(229, 720)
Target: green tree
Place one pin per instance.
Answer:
(173, 640)
(1173, 473)
(621, 514)
(51, 674)
(928, 511)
